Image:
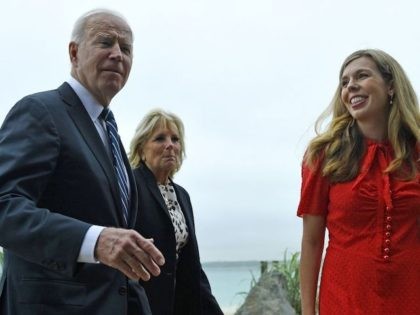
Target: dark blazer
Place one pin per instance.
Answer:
(182, 288)
(56, 180)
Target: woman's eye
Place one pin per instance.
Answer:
(175, 139)
(160, 138)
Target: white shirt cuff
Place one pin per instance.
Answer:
(87, 251)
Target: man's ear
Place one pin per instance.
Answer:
(73, 48)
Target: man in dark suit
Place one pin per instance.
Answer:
(64, 224)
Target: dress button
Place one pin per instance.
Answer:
(122, 290)
(386, 257)
(388, 234)
(389, 227)
(387, 242)
(388, 218)
(387, 250)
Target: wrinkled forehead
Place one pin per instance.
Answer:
(109, 24)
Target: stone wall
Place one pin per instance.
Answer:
(267, 297)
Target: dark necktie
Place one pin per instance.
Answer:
(119, 166)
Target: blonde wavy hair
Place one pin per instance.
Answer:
(154, 120)
(341, 145)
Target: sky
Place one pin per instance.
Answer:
(247, 77)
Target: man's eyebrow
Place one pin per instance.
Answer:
(104, 34)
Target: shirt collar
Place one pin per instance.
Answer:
(92, 106)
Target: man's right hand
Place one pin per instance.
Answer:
(129, 252)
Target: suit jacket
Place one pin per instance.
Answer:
(56, 180)
(182, 287)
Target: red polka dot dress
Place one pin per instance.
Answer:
(372, 262)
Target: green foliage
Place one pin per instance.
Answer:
(289, 268)
(252, 284)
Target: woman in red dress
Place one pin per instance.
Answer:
(361, 182)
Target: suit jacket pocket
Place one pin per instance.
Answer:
(51, 292)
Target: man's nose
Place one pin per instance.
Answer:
(116, 52)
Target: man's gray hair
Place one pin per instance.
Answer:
(79, 27)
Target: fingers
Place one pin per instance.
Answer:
(133, 269)
(150, 249)
(129, 252)
(147, 261)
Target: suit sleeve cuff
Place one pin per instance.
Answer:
(87, 250)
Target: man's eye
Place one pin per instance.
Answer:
(106, 43)
(126, 49)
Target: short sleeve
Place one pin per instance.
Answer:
(314, 194)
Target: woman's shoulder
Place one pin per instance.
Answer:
(143, 176)
(138, 172)
(313, 161)
(179, 188)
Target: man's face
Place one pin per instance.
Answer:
(101, 62)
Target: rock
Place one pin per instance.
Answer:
(267, 297)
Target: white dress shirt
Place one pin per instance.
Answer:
(94, 109)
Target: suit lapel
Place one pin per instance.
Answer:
(181, 197)
(89, 133)
(154, 189)
(133, 191)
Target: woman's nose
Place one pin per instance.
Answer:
(169, 144)
(352, 85)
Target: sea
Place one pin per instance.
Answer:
(231, 282)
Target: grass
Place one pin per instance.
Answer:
(289, 268)
(252, 284)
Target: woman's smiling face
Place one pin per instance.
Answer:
(364, 92)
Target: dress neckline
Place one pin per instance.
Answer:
(381, 143)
